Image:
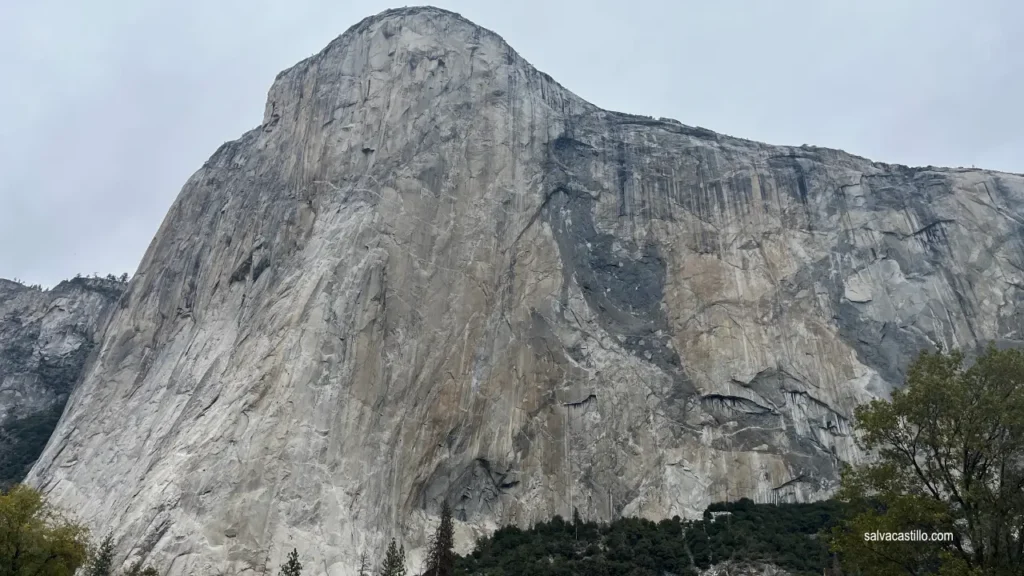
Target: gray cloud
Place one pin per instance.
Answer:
(110, 105)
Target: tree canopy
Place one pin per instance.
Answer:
(394, 561)
(35, 539)
(293, 567)
(785, 535)
(102, 562)
(950, 458)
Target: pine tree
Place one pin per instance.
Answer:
(394, 561)
(364, 565)
(103, 561)
(441, 556)
(576, 521)
(292, 567)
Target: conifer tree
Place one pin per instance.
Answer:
(394, 561)
(292, 567)
(441, 556)
(364, 565)
(103, 561)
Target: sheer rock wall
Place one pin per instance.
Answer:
(45, 340)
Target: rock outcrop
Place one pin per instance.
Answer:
(433, 272)
(45, 339)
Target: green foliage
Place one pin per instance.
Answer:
(950, 448)
(394, 561)
(292, 567)
(36, 540)
(784, 535)
(102, 562)
(441, 555)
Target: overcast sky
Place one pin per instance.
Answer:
(110, 105)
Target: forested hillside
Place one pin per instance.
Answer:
(785, 535)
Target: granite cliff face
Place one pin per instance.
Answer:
(45, 339)
(434, 272)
